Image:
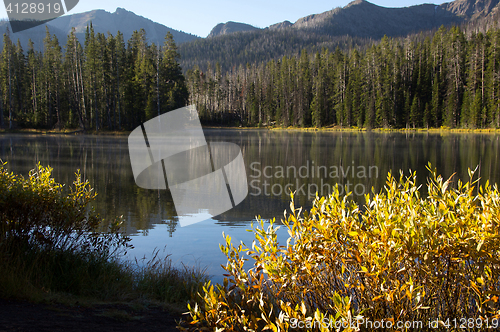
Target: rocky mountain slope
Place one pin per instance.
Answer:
(358, 23)
(364, 19)
(121, 20)
(230, 27)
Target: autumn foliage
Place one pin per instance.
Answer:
(406, 255)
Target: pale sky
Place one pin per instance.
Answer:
(200, 16)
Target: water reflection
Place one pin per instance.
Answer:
(276, 162)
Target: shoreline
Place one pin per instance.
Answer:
(297, 129)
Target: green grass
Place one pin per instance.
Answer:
(37, 274)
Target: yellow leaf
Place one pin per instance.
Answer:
(303, 308)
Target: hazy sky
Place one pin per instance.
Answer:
(200, 16)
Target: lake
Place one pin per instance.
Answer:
(276, 163)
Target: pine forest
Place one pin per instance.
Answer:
(103, 85)
(449, 78)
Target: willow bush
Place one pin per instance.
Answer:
(51, 239)
(403, 257)
(53, 243)
(44, 213)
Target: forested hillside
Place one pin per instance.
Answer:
(102, 84)
(449, 79)
(359, 23)
(257, 46)
(283, 75)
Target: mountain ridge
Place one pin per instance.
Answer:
(358, 23)
(230, 27)
(121, 20)
(359, 18)
(103, 22)
(233, 43)
(362, 18)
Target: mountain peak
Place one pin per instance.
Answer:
(355, 2)
(281, 25)
(361, 4)
(121, 10)
(103, 22)
(365, 19)
(230, 27)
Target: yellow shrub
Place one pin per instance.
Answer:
(39, 212)
(400, 258)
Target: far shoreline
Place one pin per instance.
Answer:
(274, 128)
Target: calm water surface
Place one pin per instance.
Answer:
(276, 162)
